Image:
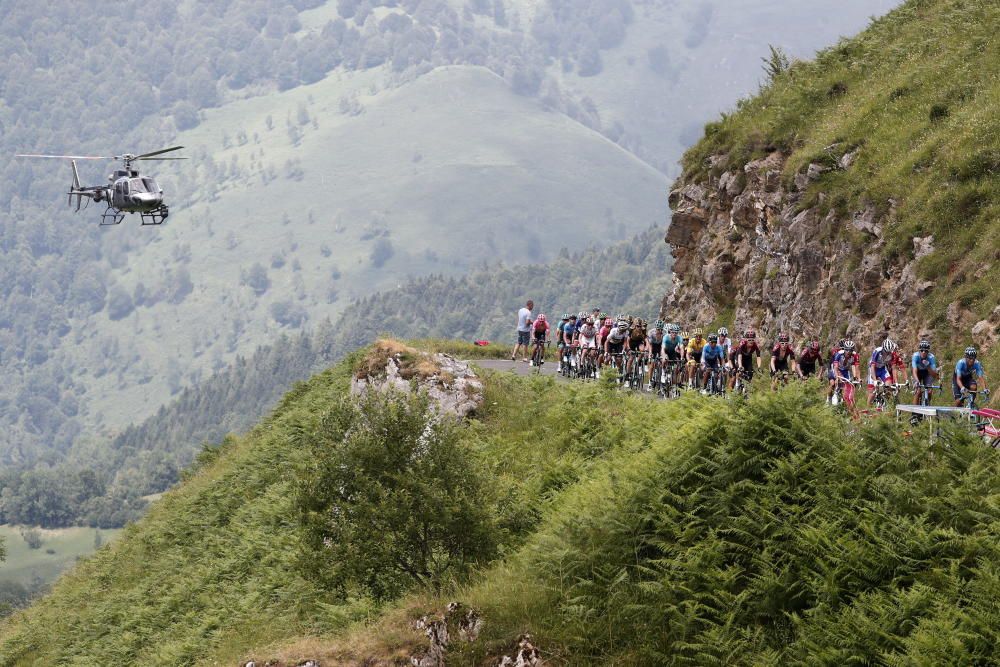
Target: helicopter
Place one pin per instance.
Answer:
(127, 191)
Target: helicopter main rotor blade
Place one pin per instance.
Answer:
(70, 157)
(148, 159)
(162, 150)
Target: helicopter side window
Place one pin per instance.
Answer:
(124, 185)
(137, 186)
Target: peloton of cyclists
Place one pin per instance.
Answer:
(594, 333)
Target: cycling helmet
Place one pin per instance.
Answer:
(541, 317)
(603, 316)
(782, 338)
(565, 316)
(848, 345)
(713, 338)
(925, 346)
(622, 325)
(814, 345)
(574, 317)
(658, 324)
(581, 315)
(840, 343)
(590, 321)
(888, 345)
(723, 331)
(750, 334)
(697, 332)
(675, 328)
(970, 352)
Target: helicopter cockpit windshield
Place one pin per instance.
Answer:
(137, 185)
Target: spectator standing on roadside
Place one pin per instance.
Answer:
(524, 322)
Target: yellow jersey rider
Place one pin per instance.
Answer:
(694, 348)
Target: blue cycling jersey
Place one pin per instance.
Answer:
(921, 364)
(711, 352)
(964, 369)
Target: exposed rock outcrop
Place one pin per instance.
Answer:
(450, 383)
(525, 655)
(458, 621)
(744, 242)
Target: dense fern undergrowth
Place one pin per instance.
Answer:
(621, 531)
(915, 94)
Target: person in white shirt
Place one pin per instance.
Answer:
(524, 322)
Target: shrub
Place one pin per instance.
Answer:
(32, 538)
(391, 498)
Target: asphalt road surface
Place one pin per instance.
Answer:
(550, 367)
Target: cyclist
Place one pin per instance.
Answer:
(844, 367)
(713, 358)
(565, 337)
(541, 330)
(588, 338)
(673, 350)
(923, 367)
(745, 353)
(725, 342)
(616, 340)
(782, 359)
(810, 358)
(694, 348)
(880, 366)
(966, 378)
(636, 339)
(602, 338)
(654, 339)
(560, 328)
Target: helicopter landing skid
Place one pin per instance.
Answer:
(112, 216)
(156, 216)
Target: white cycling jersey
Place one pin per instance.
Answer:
(588, 343)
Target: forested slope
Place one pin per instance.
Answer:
(103, 483)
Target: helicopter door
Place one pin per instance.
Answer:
(121, 192)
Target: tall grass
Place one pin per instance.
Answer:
(763, 534)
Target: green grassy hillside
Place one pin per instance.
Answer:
(625, 531)
(59, 550)
(915, 95)
(443, 174)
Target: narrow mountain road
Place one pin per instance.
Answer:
(519, 367)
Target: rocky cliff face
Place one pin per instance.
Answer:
(748, 249)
